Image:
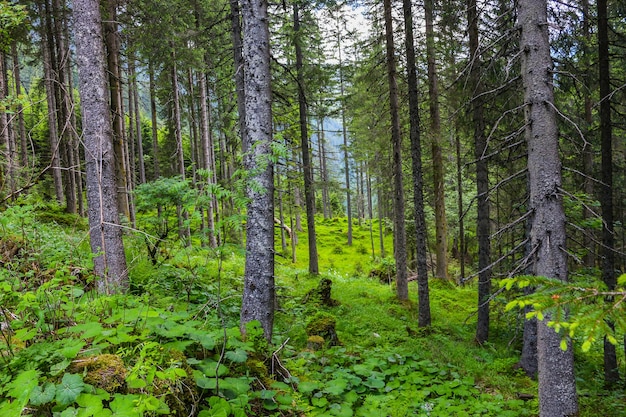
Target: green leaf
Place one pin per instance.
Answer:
(42, 395)
(621, 281)
(563, 345)
(237, 355)
(307, 387)
(586, 345)
(69, 389)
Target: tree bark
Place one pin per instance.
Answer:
(424, 318)
(49, 79)
(482, 178)
(402, 288)
(441, 240)
(235, 17)
(557, 386)
(206, 139)
(258, 294)
(611, 370)
(117, 109)
(105, 233)
(20, 111)
(307, 168)
(153, 116)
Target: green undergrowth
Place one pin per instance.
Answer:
(172, 345)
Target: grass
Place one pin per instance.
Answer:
(171, 329)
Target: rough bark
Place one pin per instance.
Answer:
(424, 318)
(402, 288)
(557, 386)
(258, 293)
(20, 114)
(482, 178)
(344, 135)
(235, 17)
(307, 167)
(206, 140)
(49, 80)
(441, 240)
(153, 116)
(104, 230)
(611, 370)
(117, 109)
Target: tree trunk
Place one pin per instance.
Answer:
(206, 139)
(137, 121)
(307, 168)
(20, 111)
(239, 73)
(557, 386)
(611, 370)
(344, 132)
(117, 109)
(441, 240)
(402, 288)
(153, 115)
(482, 178)
(55, 159)
(258, 294)
(105, 233)
(424, 318)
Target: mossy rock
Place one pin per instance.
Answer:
(103, 371)
(315, 342)
(322, 325)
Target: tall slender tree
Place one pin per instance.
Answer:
(105, 232)
(307, 167)
(416, 156)
(402, 288)
(611, 370)
(557, 386)
(482, 175)
(258, 293)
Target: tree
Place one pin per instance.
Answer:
(441, 240)
(402, 288)
(258, 293)
(418, 182)
(611, 370)
(105, 232)
(557, 386)
(307, 168)
(482, 176)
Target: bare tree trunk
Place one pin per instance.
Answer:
(611, 370)
(239, 72)
(258, 295)
(399, 247)
(482, 178)
(307, 168)
(137, 121)
(441, 239)
(115, 84)
(344, 131)
(5, 134)
(206, 139)
(105, 232)
(557, 386)
(424, 317)
(20, 111)
(153, 114)
(49, 80)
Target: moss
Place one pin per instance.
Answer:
(322, 294)
(103, 371)
(323, 325)
(315, 342)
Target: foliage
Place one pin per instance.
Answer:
(586, 310)
(173, 345)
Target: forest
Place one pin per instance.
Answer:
(312, 208)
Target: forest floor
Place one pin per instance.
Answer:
(172, 345)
